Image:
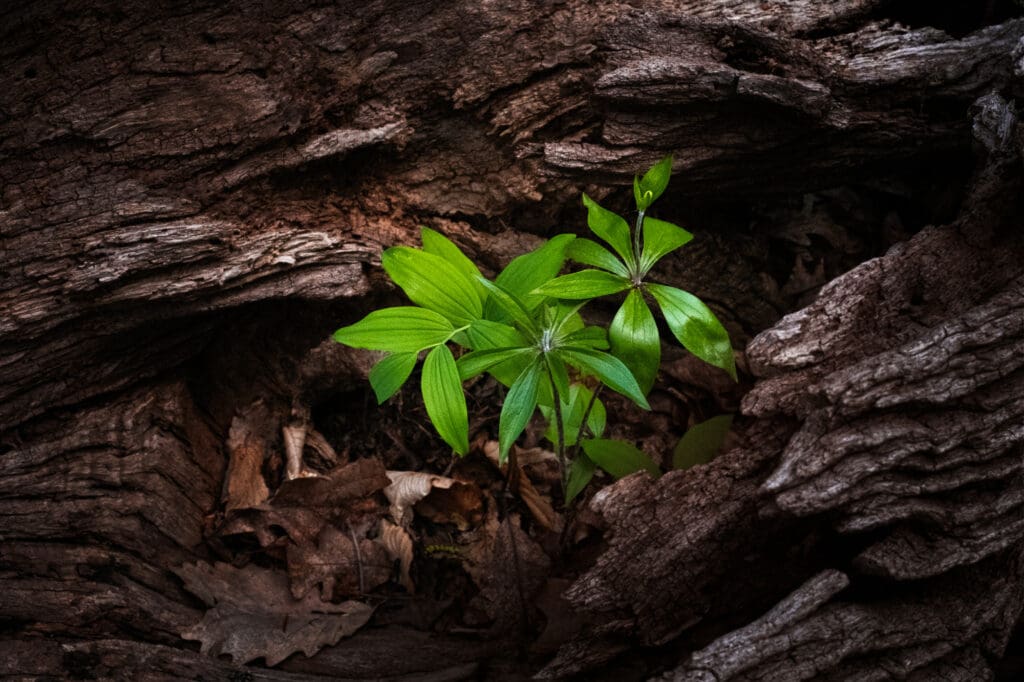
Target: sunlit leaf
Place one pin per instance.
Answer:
(388, 375)
(402, 329)
(695, 326)
(519, 405)
(610, 227)
(634, 339)
(432, 282)
(436, 243)
(510, 306)
(444, 399)
(591, 253)
(647, 189)
(584, 285)
(660, 239)
(607, 368)
(527, 272)
(479, 361)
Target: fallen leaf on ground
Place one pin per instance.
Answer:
(398, 544)
(247, 447)
(409, 487)
(335, 564)
(539, 505)
(254, 615)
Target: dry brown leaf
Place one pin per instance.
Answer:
(398, 544)
(409, 487)
(254, 615)
(266, 523)
(247, 447)
(539, 505)
(335, 565)
(348, 492)
(462, 505)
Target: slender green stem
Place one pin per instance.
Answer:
(583, 423)
(560, 430)
(637, 239)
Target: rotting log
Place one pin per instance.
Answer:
(192, 197)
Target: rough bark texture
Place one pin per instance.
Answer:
(193, 196)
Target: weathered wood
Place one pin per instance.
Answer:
(191, 196)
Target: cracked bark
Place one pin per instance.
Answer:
(169, 179)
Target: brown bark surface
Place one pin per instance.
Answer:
(193, 196)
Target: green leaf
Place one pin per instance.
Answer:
(527, 272)
(702, 442)
(479, 361)
(652, 184)
(436, 243)
(585, 284)
(619, 459)
(660, 239)
(403, 329)
(484, 334)
(588, 337)
(444, 399)
(432, 282)
(519, 405)
(695, 326)
(610, 227)
(388, 375)
(559, 374)
(511, 306)
(573, 408)
(634, 340)
(591, 253)
(607, 368)
(580, 472)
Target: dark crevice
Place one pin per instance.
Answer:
(956, 17)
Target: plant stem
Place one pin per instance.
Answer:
(560, 430)
(586, 416)
(637, 244)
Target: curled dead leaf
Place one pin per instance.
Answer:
(398, 544)
(409, 487)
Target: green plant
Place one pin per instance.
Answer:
(525, 330)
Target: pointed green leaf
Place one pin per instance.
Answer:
(660, 239)
(652, 184)
(510, 306)
(527, 272)
(591, 253)
(436, 243)
(479, 361)
(695, 326)
(403, 329)
(702, 442)
(483, 334)
(519, 405)
(610, 227)
(588, 337)
(580, 472)
(559, 374)
(607, 368)
(388, 375)
(585, 284)
(444, 399)
(634, 340)
(432, 282)
(619, 459)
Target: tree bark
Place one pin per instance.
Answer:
(193, 197)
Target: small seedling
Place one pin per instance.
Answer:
(525, 329)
